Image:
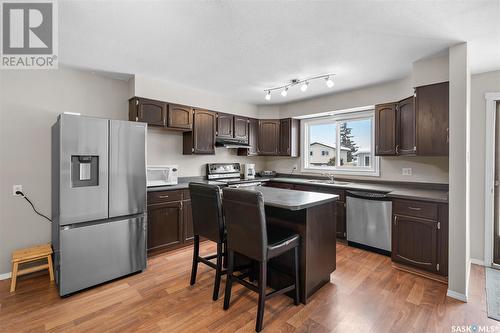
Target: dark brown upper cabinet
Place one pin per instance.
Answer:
(385, 129)
(180, 116)
(269, 137)
(253, 138)
(415, 126)
(147, 110)
(241, 125)
(432, 119)
(405, 115)
(289, 137)
(225, 123)
(201, 140)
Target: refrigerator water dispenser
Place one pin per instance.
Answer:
(84, 170)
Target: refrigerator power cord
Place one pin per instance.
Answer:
(33, 206)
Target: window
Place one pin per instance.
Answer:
(342, 143)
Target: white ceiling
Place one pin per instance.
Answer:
(240, 48)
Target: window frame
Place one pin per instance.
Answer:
(337, 118)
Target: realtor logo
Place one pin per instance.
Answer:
(29, 35)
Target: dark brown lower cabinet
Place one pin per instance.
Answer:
(279, 185)
(420, 236)
(188, 220)
(164, 225)
(170, 222)
(340, 217)
(414, 242)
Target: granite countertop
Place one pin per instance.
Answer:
(291, 199)
(399, 190)
(183, 184)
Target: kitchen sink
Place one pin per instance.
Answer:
(328, 181)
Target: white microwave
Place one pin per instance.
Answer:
(161, 175)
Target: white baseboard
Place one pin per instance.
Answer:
(5, 276)
(477, 261)
(458, 296)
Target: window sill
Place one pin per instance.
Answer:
(367, 173)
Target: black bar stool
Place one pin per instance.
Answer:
(248, 235)
(208, 222)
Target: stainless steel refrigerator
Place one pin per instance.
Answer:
(98, 200)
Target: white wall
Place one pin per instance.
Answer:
(480, 84)
(430, 70)
(167, 91)
(376, 94)
(459, 266)
(166, 148)
(31, 101)
(424, 169)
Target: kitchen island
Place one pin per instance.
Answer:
(311, 215)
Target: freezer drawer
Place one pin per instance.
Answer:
(97, 253)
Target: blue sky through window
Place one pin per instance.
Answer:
(326, 133)
(323, 133)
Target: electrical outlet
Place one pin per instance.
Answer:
(406, 171)
(16, 188)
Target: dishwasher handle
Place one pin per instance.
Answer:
(376, 196)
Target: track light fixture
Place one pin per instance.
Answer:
(304, 84)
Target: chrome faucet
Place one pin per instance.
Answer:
(330, 175)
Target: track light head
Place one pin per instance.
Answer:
(329, 82)
(284, 92)
(304, 86)
(268, 95)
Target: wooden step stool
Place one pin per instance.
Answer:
(27, 255)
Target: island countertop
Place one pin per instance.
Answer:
(291, 199)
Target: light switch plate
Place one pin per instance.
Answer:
(406, 171)
(16, 188)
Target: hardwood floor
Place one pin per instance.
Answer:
(365, 295)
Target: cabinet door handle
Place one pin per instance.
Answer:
(163, 196)
(396, 220)
(448, 135)
(415, 208)
(397, 149)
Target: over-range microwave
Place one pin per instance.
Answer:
(161, 175)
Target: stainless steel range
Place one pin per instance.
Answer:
(228, 174)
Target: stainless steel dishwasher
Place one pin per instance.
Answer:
(369, 221)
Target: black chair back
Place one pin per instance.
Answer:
(206, 205)
(245, 222)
